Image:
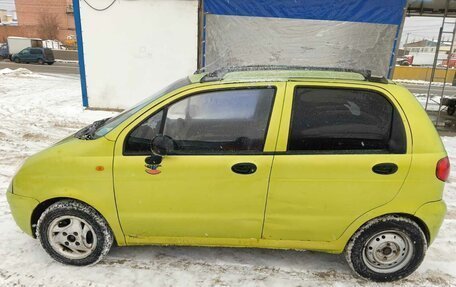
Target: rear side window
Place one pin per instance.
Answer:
(35, 51)
(344, 121)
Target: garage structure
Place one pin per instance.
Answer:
(130, 49)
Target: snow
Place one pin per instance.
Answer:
(38, 110)
(433, 103)
(421, 82)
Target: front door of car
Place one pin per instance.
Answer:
(214, 182)
(25, 55)
(342, 151)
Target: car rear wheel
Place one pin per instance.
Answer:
(74, 233)
(386, 249)
(40, 61)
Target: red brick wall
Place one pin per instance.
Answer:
(29, 13)
(6, 31)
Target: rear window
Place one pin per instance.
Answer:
(48, 52)
(344, 121)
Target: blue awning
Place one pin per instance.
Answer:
(366, 11)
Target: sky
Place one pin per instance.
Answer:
(7, 4)
(418, 28)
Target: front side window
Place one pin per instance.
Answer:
(344, 121)
(217, 122)
(25, 51)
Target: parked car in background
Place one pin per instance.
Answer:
(17, 44)
(451, 63)
(450, 103)
(4, 54)
(34, 55)
(265, 157)
(406, 60)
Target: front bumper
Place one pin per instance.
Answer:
(22, 208)
(432, 214)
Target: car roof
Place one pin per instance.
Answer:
(246, 74)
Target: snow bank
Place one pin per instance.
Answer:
(16, 72)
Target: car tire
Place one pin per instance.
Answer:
(41, 61)
(451, 110)
(50, 63)
(386, 249)
(74, 233)
(17, 60)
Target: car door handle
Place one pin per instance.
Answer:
(385, 168)
(244, 168)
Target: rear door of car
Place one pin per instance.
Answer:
(36, 54)
(342, 151)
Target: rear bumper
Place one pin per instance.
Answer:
(21, 209)
(432, 214)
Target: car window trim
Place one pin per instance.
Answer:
(165, 112)
(348, 151)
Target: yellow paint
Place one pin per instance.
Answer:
(314, 202)
(422, 74)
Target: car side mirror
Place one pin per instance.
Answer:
(162, 145)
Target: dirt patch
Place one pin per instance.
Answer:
(34, 137)
(451, 214)
(69, 125)
(430, 278)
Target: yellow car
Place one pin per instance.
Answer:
(271, 157)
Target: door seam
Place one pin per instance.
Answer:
(272, 161)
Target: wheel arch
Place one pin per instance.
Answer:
(42, 206)
(421, 224)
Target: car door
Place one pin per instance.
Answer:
(343, 150)
(35, 55)
(215, 183)
(25, 55)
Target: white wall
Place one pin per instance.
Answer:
(137, 47)
(423, 58)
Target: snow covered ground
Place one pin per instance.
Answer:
(37, 110)
(421, 83)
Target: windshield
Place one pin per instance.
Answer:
(110, 124)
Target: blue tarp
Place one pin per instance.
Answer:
(366, 11)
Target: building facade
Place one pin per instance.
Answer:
(423, 52)
(46, 19)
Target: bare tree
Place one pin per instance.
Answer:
(49, 26)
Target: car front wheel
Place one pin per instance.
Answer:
(74, 233)
(17, 60)
(387, 249)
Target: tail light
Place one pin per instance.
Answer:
(443, 169)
